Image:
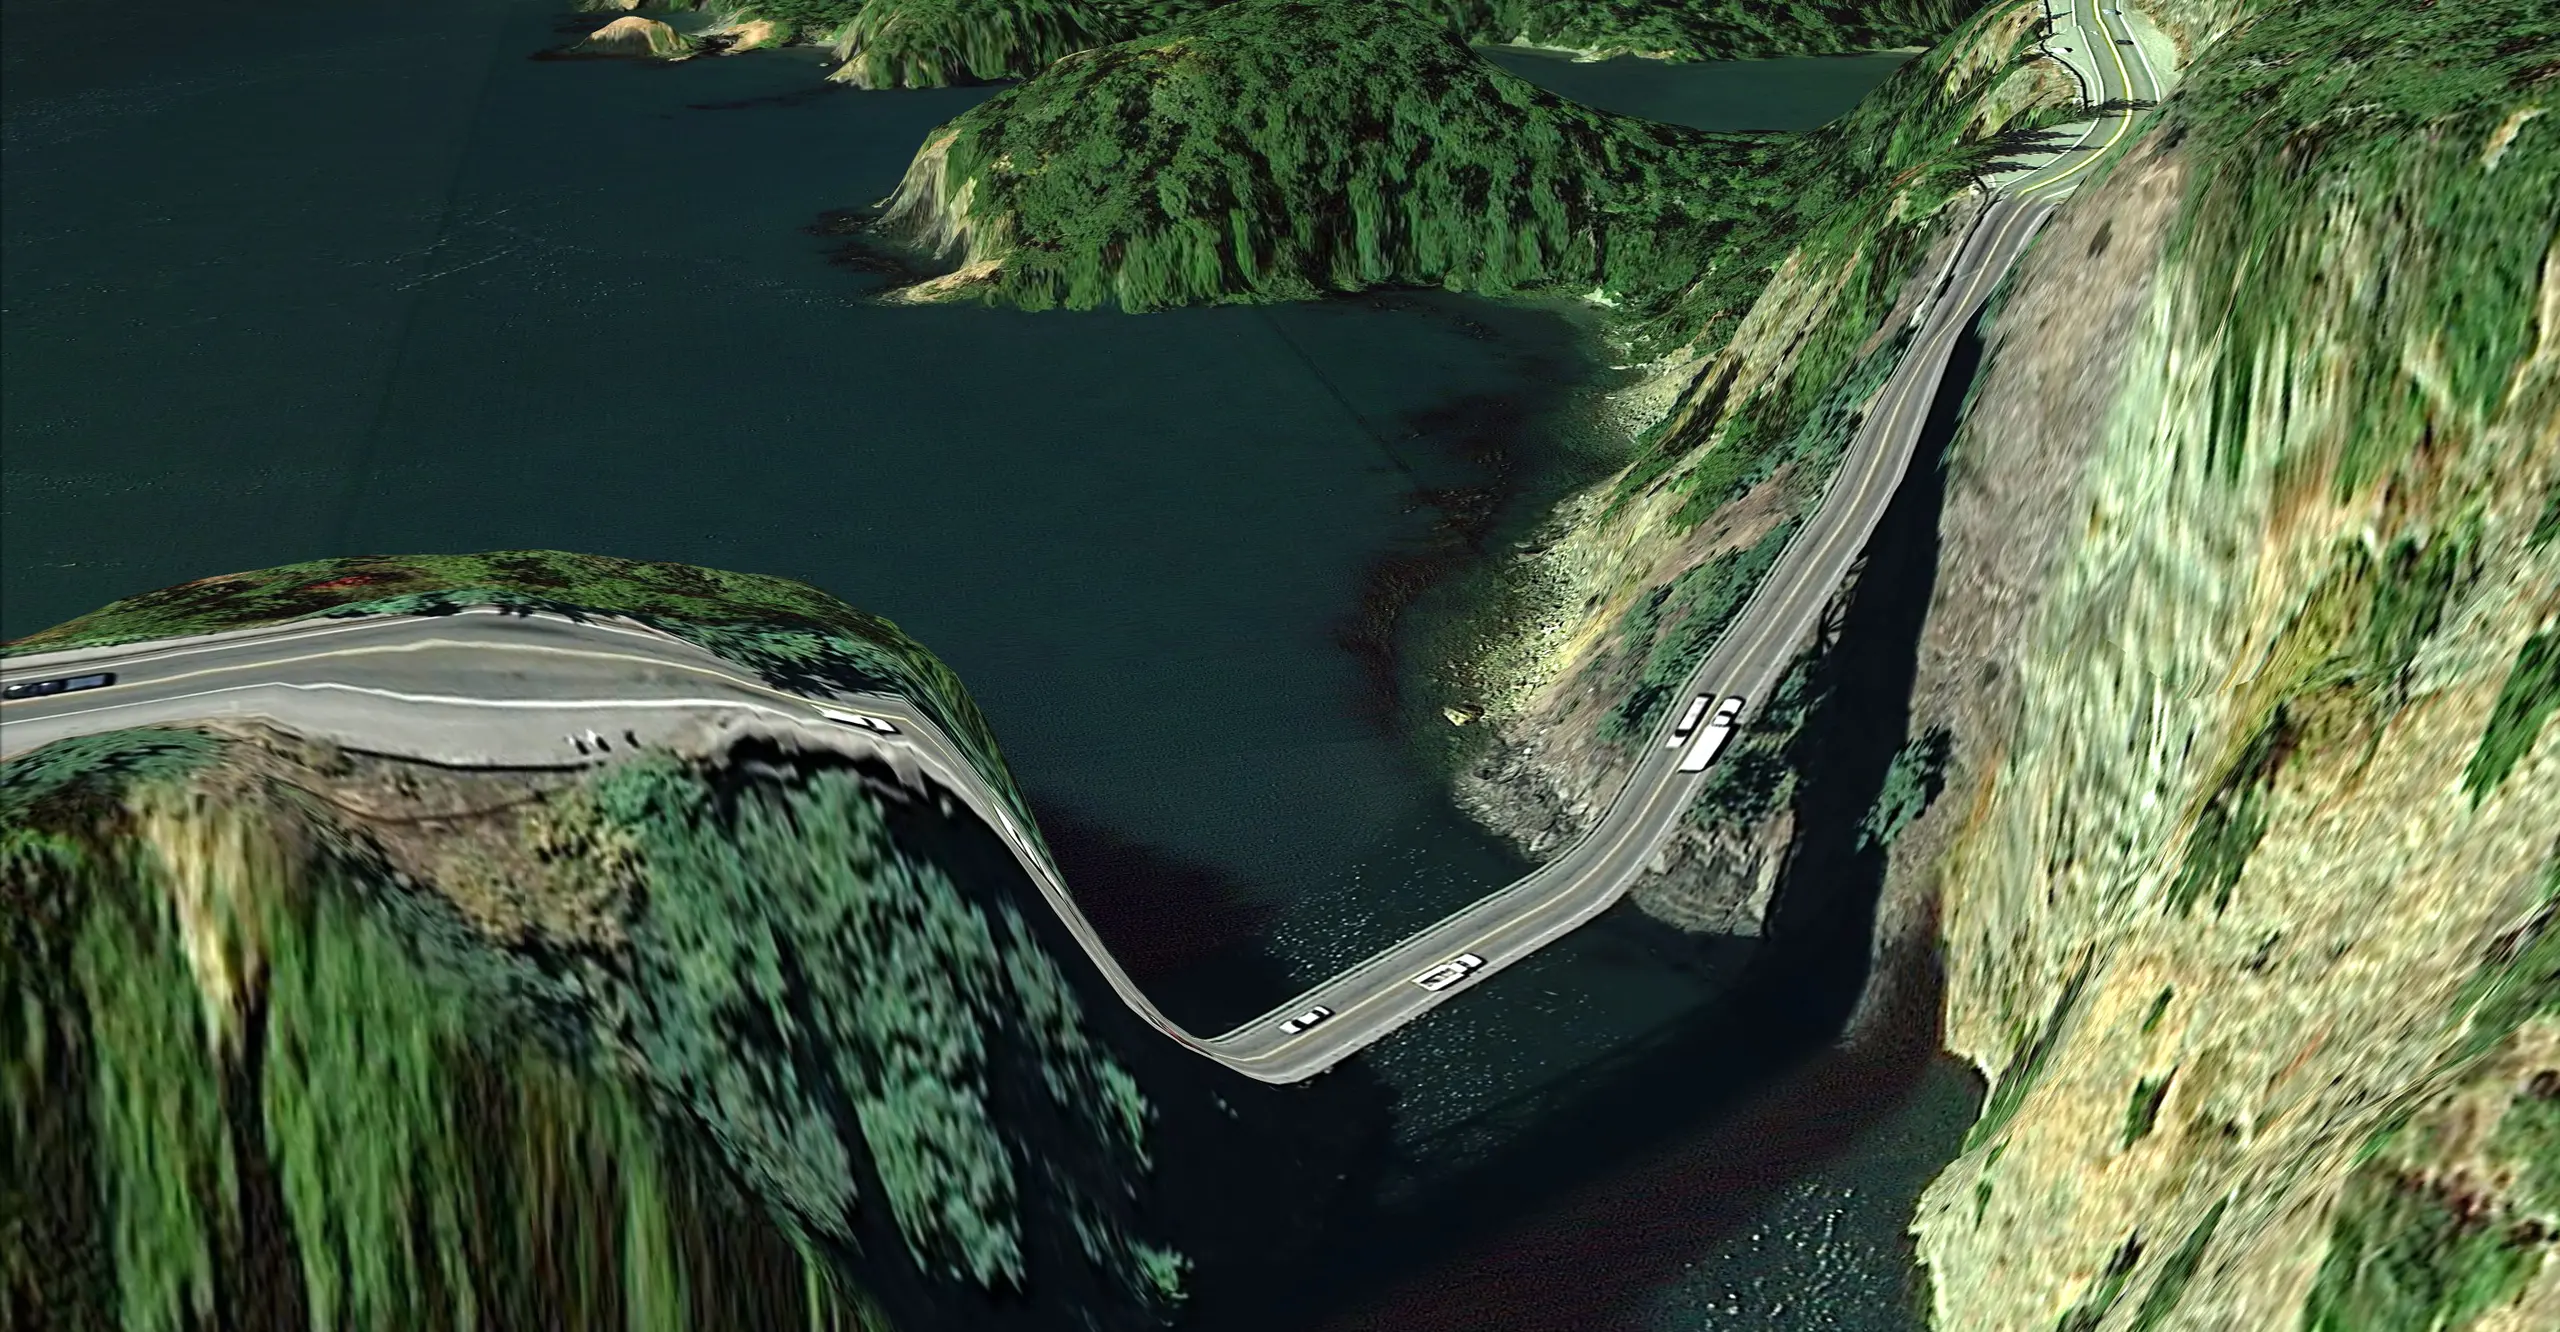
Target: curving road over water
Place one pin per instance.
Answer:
(509, 690)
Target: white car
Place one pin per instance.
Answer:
(868, 723)
(1449, 973)
(1306, 1019)
(1710, 742)
(1688, 722)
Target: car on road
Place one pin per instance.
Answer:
(1710, 741)
(1689, 720)
(1306, 1019)
(65, 685)
(1450, 972)
(865, 721)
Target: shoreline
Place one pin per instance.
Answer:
(1431, 613)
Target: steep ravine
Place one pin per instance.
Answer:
(2246, 867)
(1737, 430)
(2244, 852)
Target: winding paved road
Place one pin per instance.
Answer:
(494, 689)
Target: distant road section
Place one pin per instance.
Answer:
(491, 689)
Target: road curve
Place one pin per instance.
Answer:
(503, 689)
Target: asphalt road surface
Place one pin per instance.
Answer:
(506, 690)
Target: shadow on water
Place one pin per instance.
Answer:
(1246, 1177)
(1574, 1220)
(1187, 932)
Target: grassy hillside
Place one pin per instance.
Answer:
(661, 1046)
(2246, 858)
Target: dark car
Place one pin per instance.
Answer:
(65, 685)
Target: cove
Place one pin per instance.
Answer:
(363, 278)
(358, 277)
(320, 279)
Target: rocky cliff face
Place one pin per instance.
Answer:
(1736, 430)
(2244, 632)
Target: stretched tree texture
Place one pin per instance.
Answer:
(934, 43)
(254, 1078)
(1707, 29)
(1274, 150)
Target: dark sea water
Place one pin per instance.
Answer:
(1794, 94)
(306, 279)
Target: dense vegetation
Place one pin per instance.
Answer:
(1706, 29)
(1858, 197)
(932, 43)
(2406, 1252)
(796, 965)
(1276, 149)
(257, 1076)
(1911, 781)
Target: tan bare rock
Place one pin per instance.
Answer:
(2114, 626)
(634, 35)
(743, 35)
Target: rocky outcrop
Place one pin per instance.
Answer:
(1597, 598)
(2246, 869)
(738, 36)
(634, 35)
(1717, 879)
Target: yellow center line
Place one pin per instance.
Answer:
(292, 631)
(431, 643)
(2123, 119)
(1645, 811)
(1654, 798)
